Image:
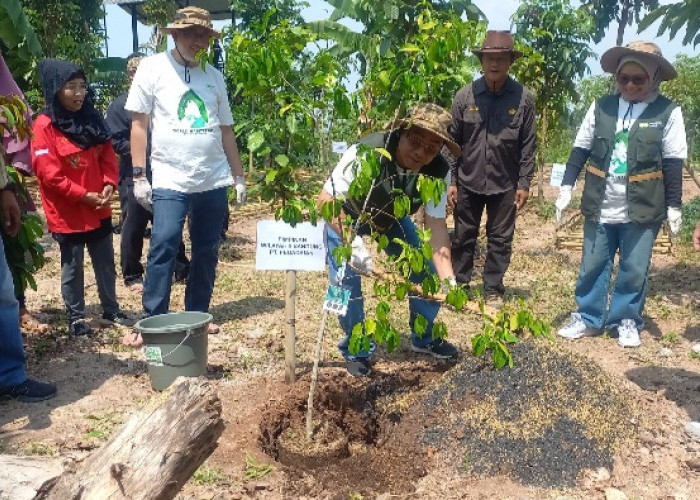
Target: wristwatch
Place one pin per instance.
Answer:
(138, 172)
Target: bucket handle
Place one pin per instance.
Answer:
(190, 332)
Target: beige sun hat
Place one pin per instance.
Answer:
(649, 50)
(498, 41)
(432, 118)
(191, 16)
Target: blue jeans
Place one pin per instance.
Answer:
(206, 212)
(12, 360)
(600, 243)
(406, 231)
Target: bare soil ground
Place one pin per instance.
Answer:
(416, 428)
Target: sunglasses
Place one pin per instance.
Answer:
(623, 79)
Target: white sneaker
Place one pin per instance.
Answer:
(574, 329)
(628, 335)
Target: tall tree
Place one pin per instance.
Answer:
(248, 14)
(673, 17)
(561, 35)
(384, 24)
(622, 12)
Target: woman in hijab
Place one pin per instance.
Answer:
(17, 154)
(76, 166)
(635, 144)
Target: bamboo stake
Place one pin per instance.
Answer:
(314, 378)
(290, 339)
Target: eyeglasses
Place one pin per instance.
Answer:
(623, 79)
(416, 142)
(75, 88)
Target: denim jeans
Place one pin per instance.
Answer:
(405, 230)
(133, 227)
(73, 279)
(12, 360)
(206, 212)
(600, 243)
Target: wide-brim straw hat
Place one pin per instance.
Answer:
(189, 17)
(644, 50)
(432, 118)
(498, 41)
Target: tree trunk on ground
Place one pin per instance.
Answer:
(155, 453)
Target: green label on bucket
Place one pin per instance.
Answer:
(153, 355)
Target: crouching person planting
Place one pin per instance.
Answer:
(375, 188)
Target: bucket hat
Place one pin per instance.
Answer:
(191, 16)
(432, 118)
(498, 41)
(645, 50)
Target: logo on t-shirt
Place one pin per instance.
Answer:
(192, 110)
(618, 158)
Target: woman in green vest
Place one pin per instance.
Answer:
(634, 142)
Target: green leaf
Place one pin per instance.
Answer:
(382, 311)
(420, 325)
(282, 160)
(255, 140)
(270, 176)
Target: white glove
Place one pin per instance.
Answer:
(562, 201)
(241, 193)
(674, 220)
(446, 287)
(143, 193)
(361, 259)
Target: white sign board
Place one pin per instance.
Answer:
(557, 174)
(282, 247)
(339, 147)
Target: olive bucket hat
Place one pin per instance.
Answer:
(432, 118)
(644, 50)
(191, 16)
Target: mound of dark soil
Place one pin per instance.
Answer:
(543, 423)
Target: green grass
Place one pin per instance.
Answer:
(208, 475)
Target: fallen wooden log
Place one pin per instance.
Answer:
(153, 455)
(25, 478)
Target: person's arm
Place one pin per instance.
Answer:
(696, 237)
(119, 125)
(323, 197)
(528, 146)
(440, 241)
(9, 209)
(139, 138)
(231, 150)
(110, 172)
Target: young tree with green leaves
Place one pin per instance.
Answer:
(561, 35)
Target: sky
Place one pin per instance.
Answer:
(497, 12)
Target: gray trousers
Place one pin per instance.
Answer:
(72, 276)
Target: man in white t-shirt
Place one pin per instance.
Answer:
(194, 159)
